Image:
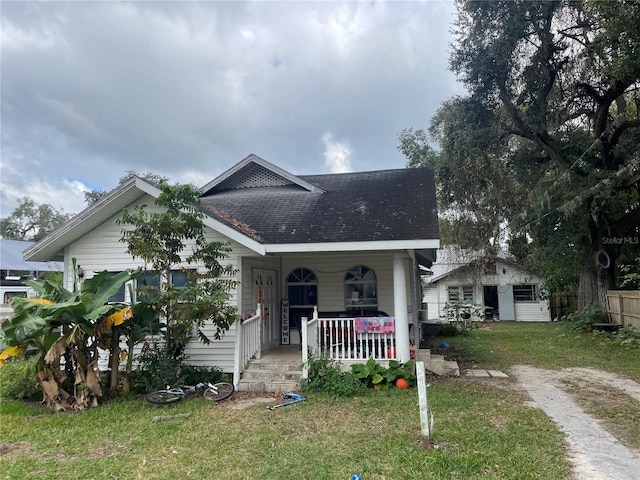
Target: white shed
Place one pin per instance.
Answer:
(507, 290)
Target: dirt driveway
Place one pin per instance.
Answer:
(594, 452)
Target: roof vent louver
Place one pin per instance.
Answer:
(257, 177)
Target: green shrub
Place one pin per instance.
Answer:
(325, 375)
(452, 330)
(18, 380)
(157, 368)
(374, 375)
(627, 336)
(590, 315)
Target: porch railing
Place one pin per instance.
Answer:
(248, 343)
(310, 340)
(337, 339)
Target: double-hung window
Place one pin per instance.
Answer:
(524, 293)
(149, 282)
(462, 293)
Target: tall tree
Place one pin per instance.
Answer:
(169, 238)
(31, 221)
(556, 86)
(475, 189)
(93, 196)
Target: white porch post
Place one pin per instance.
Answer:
(400, 307)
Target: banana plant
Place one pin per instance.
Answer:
(135, 322)
(66, 328)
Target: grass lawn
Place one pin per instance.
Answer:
(482, 430)
(554, 346)
(547, 345)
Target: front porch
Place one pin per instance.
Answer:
(344, 340)
(333, 306)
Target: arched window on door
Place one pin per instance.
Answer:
(302, 287)
(360, 289)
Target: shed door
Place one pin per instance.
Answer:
(505, 302)
(265, 292)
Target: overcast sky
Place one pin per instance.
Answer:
(188, 89)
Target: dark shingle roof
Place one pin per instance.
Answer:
(385, 205)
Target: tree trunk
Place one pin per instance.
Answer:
(599, 272)
(594, 284)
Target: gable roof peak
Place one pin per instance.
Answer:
(254, 172)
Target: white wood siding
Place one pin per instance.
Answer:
(101, 250)
(430, 302)
(533, 311)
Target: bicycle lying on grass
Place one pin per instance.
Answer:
(215, 392)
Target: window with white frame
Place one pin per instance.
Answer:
(457, 293)
(524, 293)
(181, 279)
(148, 283)
(360, 289)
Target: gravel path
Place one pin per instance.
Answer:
(595, 454)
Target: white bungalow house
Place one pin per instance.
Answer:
(507, 290)
(335, 246)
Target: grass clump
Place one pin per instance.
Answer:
(18, 380)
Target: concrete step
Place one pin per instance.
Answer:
(451, 368)
(263, 375)
(438, 364)
(268, 376)
(278, 367)
(422, 355)
(248, 385)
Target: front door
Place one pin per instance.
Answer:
(505, 302)
(265, 292)
(302, 291)
(491, 302)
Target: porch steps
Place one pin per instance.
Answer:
(267, 376)
(438, 364)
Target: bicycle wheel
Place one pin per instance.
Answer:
(163, 397)
(219, 391)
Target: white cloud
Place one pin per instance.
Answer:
(337, 155)
(187, 89)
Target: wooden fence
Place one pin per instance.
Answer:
(563, 303)
(624, 307)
